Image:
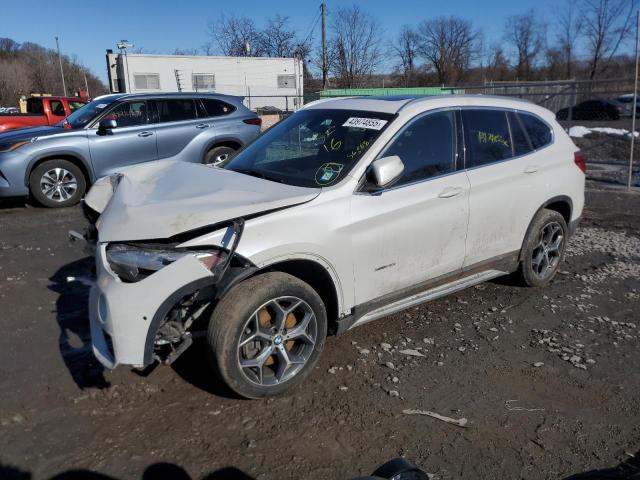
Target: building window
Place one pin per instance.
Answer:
(146, 81)
(286, 81)
(203, 82)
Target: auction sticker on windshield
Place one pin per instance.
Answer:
(369, 123)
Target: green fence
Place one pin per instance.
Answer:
(384, 92)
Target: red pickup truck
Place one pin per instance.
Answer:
(41, 111)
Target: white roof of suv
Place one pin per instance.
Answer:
(393, 104)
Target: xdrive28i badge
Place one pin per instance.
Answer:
(328, 173)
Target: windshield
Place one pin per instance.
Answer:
(311, 148)
(82, 116)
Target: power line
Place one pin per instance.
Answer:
(314, 23)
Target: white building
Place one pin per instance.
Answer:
(262, 81)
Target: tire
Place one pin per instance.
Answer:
(241, 332)
(218, 155)
(57, 183)
(543, 248)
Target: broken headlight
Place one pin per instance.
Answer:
(133, 263)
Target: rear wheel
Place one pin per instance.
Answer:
(543, 248)
(217, 155)
(57, 183)
(266, 334)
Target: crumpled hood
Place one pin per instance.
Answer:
(160, 199)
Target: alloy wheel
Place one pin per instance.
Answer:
(277, 341)
(547, 252)
(220, 158)
(58, 184)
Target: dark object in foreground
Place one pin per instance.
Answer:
(397, 469)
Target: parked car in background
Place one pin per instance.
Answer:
(347, 211)
(9, 110)
(56, 164)
(627, 102)
(593, 110)
(41, 111)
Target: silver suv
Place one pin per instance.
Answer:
(55, 165)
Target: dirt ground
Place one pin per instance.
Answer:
(548, 379)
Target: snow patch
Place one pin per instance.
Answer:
(580, 131)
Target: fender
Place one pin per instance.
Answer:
(323, 262)
(56, 154)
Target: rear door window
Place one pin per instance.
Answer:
(538, 131)
(216, 108)
(426, 146)
(521, 145)
(486, 134)
(175, 110)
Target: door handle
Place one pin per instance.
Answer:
(531, 169)
(450, 192)
(202, 125)
(145, 134)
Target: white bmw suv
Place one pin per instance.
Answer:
(346, 212)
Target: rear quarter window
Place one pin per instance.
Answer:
(216, 108)
(539, 132)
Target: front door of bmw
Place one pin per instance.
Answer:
(415, 230)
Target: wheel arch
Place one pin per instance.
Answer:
(76, 160)
(561, 204)
(230, 142)
(318, 276)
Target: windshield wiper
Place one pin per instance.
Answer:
(259, 174)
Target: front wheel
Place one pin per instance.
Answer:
(543, 248)
(57, 183)
(266, 334)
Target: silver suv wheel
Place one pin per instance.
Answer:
(58, 184)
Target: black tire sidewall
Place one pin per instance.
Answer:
(36, 175)
(539, 221)
(228, 320)
(214, 152)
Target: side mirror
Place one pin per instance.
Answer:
(386, 170)
(105, 125)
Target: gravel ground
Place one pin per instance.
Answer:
(547, 379)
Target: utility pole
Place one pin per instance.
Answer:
(635, 103)
(86, 84)
(323, 8)
(64, 87)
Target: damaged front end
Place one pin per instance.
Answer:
(184, 315)
(151, 299)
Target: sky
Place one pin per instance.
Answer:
(87, 28)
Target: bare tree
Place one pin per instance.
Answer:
(406, 49)
(498, 68)
(278, 39)
(607, 23)
(235, 36)
(527, 35)
(570, 23)
(29, 67)
(448, 44)
(354, 47)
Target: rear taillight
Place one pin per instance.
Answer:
(253, 121)
(581, 161)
